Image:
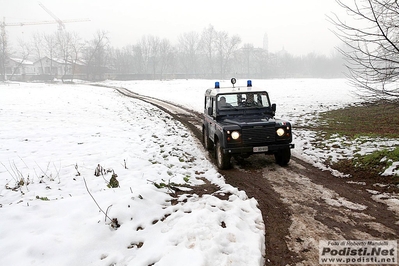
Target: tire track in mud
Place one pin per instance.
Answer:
(324, 207)
(300, 204)
(276, 215)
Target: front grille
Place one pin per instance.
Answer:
(258, 135)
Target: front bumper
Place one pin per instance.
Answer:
(272, 148)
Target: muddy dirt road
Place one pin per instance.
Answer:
(301, 204)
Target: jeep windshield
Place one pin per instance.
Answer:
(242, 101)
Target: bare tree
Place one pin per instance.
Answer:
(25, 52)
(50, 45)
(166, 57)
(147, 54)
(226, 46)
(123, 59)
(261, 62)
(208, 43)
(64, 45)
(245, 59)
(188, 49)
(154, 45)
(140, 58)
(96, 55)
(372, 45)
(76, 48)
(37, 42)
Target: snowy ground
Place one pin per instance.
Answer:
(50, 133)
(54, 136)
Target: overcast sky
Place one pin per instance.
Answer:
(298, 26)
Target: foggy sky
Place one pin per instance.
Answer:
(299, 27)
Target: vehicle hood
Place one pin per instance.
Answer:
(249, 121)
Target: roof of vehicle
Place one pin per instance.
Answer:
(232, 89)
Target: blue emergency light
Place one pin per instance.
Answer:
(249, 83)
(217, 86)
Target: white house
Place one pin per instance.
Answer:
(17, 68)
(53, 67)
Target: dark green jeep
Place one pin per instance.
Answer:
(239, 121)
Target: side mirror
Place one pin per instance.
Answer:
(274, 107)
(210, 111)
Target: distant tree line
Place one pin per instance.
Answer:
(209, 54)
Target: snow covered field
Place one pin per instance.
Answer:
(50, 133)
(53, 137)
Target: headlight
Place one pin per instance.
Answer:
(235, 135)
(280, 132)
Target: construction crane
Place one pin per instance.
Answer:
(61, 25)
(3, 25)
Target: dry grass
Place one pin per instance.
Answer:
(379, 119)
(371, 120)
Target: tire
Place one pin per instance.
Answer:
(207, 141)
(222, 160)
(283, 157)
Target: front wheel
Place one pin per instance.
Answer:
(283, 157)
(222, 160)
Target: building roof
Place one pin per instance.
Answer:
(62, 61)
(21, 61)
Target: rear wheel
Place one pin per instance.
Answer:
(222, 160)
(283, 157)
(207, 141)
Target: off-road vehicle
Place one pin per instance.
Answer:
(239, 121)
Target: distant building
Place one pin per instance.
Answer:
(43, 69)
(53, 67)
(18, 69)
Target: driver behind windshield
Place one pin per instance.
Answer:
(223, 103)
